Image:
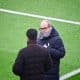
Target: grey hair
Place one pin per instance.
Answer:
(48, 21)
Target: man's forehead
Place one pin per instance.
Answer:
(44, 23)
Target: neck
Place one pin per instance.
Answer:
(31, 42)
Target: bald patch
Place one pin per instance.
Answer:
(44, 23)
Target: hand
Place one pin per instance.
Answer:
(45, 46)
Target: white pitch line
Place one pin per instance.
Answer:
(39, 16)
(68, 75)
(49, 18)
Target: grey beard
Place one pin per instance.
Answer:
(42, 35)
(47, 34)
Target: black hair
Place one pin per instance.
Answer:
(31, 34)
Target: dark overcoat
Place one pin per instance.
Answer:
(31, 63)
(55, 48)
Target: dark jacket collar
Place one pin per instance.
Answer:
(54, 32)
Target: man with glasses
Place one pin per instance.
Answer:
(50, 39)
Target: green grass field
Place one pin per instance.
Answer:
(13, 28)
(76, 77)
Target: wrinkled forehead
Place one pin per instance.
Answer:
(44, 23)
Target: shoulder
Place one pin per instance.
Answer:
(22, 50)
(54, 35)
(42, 49)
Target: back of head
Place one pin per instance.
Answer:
(31, 34)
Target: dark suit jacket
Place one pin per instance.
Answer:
(32, 62)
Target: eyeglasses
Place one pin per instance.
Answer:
(44, 28)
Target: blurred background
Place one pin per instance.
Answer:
(13, 28)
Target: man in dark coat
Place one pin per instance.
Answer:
(33, 60)
(50, 39)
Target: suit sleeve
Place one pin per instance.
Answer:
(18, 65)
(57, 49)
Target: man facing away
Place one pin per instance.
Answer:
(50, 39)
(32, 61)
